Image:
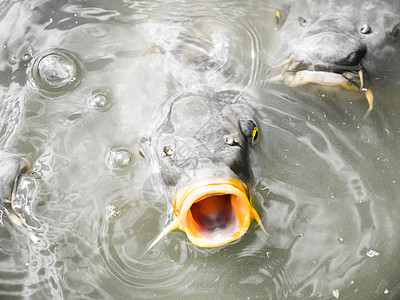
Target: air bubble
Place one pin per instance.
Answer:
(101, 100)
(119, 158)
(122, 158)
(55, 72)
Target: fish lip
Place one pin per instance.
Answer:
(333, 68)
(202, 190)
(241, 208)
(350, 74)
(351, 77)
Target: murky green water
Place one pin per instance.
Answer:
(326, 181)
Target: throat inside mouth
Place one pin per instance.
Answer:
(212, 214)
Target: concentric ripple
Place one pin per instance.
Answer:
(123, 250)
(56, 72)
(176, 267)
(101, 100)
(119, 158)
(328, 181)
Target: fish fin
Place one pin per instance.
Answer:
(171, 226)
(255, 216)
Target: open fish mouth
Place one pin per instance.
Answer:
(296, 73)
(213, 212)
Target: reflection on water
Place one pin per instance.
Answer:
(83, 86)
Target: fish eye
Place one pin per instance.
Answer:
(278, 19)
(250, 130)
(281, 15)
(141, 153)
(396, 33)
(255, 135)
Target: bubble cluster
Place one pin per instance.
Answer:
(55, 72)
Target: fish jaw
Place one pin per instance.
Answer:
(212, 212)
(293, 75)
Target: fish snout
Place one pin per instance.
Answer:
(328, 58)
(329, 48)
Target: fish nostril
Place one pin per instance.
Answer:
(167, 150)
(352, 58)
(366, 29)
(302, 21)
(231, 140)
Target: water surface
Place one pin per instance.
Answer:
(325, 179)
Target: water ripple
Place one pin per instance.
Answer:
(325, 181)
(10, 113)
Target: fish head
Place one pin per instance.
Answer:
(336, 44)
(201, 132)
(202, 149)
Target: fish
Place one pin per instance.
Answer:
(202, 151)
(337, 44)
(12, 168)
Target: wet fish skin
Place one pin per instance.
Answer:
(195, 135)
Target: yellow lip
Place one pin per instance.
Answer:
(212, 212)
